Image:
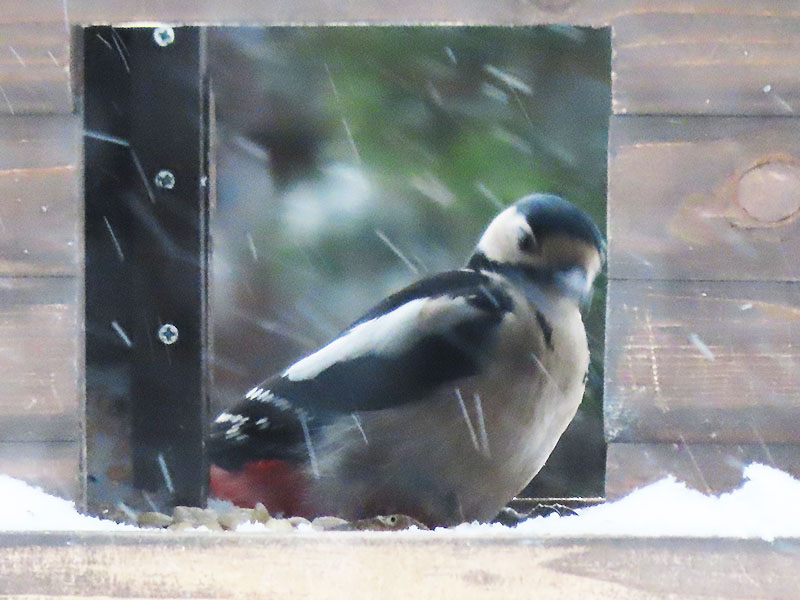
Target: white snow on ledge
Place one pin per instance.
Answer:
(26, 508)
(765, 506)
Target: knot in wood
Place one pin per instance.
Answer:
(769, 192)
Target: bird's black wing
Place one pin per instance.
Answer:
(261, 426)
(433, 332)
(478, 288)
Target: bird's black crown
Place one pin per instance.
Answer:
(548, 214)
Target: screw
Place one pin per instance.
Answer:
(168, 334)
(164, 35)
(164, 179)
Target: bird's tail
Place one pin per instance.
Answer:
(280, 486)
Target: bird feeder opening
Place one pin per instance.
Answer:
(251, 192)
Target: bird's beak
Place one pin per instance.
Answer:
(576, 284)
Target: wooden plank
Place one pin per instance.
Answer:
(40, 359)
(40, 141)
(41, 217)
(702, 361)
(53, 466)
(35, 11)
(702, 57)
(707, 198)
(289, 12)
(675, 61)
(457, 12)
(710, 468)
(35, 59)
(187, 565)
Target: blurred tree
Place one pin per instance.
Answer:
(351, 159)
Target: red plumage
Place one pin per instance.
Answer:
(278, 485)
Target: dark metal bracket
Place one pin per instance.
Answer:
(147, 122)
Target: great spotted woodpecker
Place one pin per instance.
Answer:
(443, 401)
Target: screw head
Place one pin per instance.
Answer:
(164, 35)
(168, 334)
(164, 179)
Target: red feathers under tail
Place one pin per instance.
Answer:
(278, 485)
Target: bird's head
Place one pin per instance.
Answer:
(547, 238)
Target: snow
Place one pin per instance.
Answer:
(25, 508)
(764, 506)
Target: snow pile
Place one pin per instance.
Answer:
(765, 506)
(25, 508)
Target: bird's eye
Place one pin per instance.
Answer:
(526, 241)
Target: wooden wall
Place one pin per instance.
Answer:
(41, 315)
(41, 251)
(704, 194)
(702, 363)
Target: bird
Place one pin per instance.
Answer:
(443, 401)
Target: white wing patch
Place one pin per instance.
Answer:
(254, 393)
(387, 334)
(227, 417)
(259, 394)
(234, 431)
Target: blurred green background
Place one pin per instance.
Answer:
(352, 160)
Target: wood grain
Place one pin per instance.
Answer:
(702, 63)
(701, 57)
(457, 12)
(289, 12)
(40, 141)
(703, 361)
(707, 198)
(40, 359)
(710, 468)
(359, 566)
(35, 72)
(41, 217)
(53, 466)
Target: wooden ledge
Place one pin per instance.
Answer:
(367, 565)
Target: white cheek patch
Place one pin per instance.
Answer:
(594, 268)
(500, 241)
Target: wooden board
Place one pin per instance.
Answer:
(708, 198)
(703, 361)
(575, 12)
(682, 61)
(41, 345)
(53, 466)
(35, 72)
(578, 12)
(701, 57)
(39, 141)
(710, 468)
(41, 217)
(663, 63)
(359, 566)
